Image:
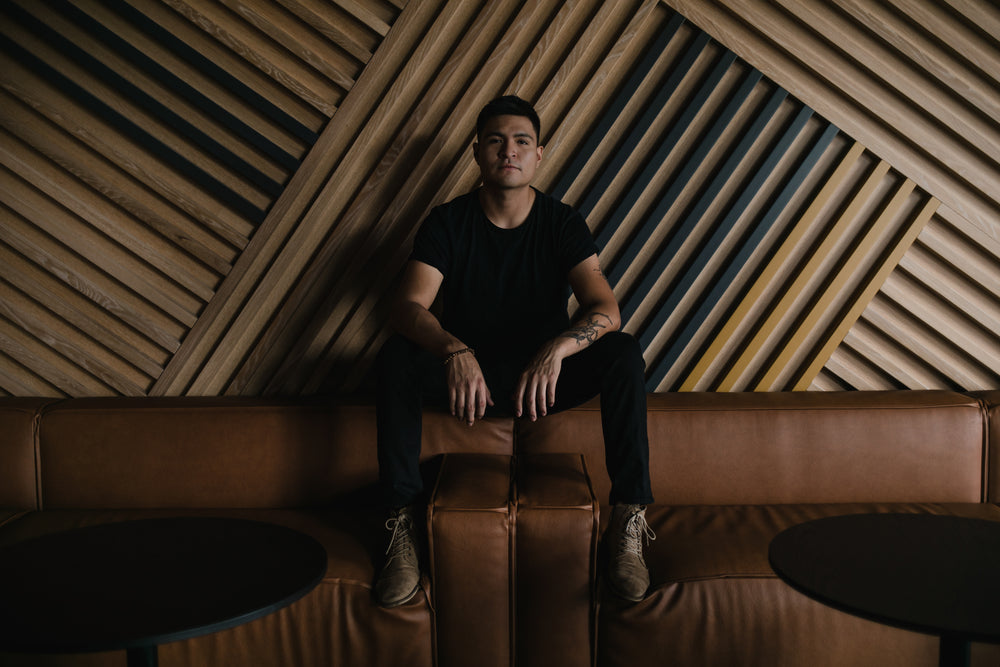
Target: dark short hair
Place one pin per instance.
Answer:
(509, 105)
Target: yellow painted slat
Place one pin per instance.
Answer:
(920, 147)
(778, 312)
(889, 264)
(757, 291)
(847, 272)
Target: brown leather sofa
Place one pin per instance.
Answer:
(514, 519)
(730, 471)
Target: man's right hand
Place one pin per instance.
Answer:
(468, 394)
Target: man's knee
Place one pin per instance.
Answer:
(395, 353)
(625, 349)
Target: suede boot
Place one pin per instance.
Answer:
(399, 579)
(628, 576)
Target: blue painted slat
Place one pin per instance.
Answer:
(695, 212)
(175, 83)
(724, 280)
(127, 128)
(210, 68)
(667, 89)
(682, 180)
(620, 264)
(608, 119)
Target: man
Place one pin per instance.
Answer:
(503, 258)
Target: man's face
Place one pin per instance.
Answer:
(507, 152)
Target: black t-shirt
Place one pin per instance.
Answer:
(505, 291)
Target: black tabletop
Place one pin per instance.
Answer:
(933, 574)
(141, 583)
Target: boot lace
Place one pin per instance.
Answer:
(634, 531)
(401, 544)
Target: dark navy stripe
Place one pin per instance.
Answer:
(607, 121)
(708, 195)
(216, 73)
(129, 129)
(682, 179)
(736, 263)
(632, 141)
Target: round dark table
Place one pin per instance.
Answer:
(135, 584)
(934, 574)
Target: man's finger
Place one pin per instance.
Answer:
(519, 397)
(460, 402)
(481, 397)
(532, 399)
(542, 398)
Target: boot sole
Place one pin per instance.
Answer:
(392, 604)
(614, 589)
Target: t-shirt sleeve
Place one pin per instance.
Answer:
(577, 243)
(430, 245)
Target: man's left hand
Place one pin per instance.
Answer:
(536, 388)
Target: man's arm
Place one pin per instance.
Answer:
(468, 394)
(599, 314)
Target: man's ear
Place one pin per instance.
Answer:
(475, 151)
(540, 149)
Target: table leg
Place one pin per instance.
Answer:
(954, 652)
(145, 656)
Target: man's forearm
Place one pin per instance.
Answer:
(420, 325)
(589, 328)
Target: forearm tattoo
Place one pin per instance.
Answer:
(587, 331)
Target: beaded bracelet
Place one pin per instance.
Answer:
(454, 354)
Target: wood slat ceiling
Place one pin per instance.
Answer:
(206, 198)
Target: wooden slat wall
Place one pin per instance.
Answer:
(918, 84)
(936, 320)
(144, 143)
(211, 198)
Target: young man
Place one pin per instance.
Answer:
(503, 257)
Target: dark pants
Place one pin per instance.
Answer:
(612, 367)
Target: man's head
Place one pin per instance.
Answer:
(509, 105)
(506, 148)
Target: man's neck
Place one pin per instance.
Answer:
(507, 209)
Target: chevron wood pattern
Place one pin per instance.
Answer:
(208, 197)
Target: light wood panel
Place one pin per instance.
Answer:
(143, 143)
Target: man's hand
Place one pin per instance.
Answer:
(468, 394)
(536, 388)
